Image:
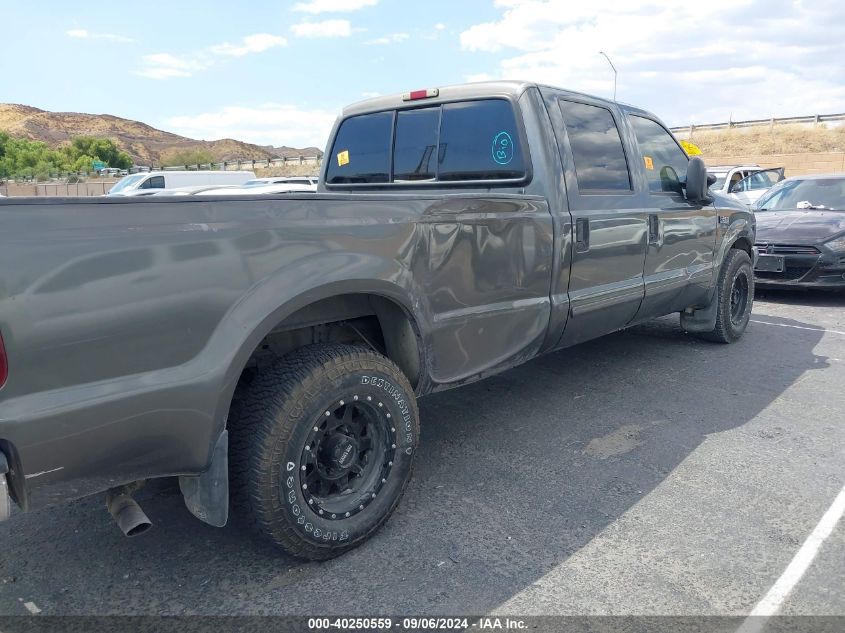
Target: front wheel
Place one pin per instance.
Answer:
(735, 294)
(321, 448)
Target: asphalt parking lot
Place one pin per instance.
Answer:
(645, 472)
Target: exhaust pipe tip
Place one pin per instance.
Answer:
(126, 512)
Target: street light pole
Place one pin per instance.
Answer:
(614, 72)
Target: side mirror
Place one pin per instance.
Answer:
(696, 190)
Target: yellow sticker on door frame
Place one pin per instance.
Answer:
(343, 158)
(649, 164)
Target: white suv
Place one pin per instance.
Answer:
(745, 183)
(727, 175)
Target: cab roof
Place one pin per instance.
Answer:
(506, 88)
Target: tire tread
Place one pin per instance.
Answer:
(722, 333)
(259, 420)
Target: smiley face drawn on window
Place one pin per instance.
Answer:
(502, 148)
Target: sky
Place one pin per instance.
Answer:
(273, 72)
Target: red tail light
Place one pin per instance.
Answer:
(429, 93)
(4, 364)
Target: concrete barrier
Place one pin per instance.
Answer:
(86, 189)
(794, 164)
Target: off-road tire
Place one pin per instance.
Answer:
(272, 424)
(736, 276)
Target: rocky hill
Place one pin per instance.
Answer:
(145, 144)
(292, 152)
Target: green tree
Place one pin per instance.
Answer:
(103, 149)
(34, 159)
(189, 156)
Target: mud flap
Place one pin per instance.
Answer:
(703, 319)
(207, 495)
(5, 503)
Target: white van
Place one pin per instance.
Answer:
(142, 184)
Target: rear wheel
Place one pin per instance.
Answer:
(322, 445)
(735, 294)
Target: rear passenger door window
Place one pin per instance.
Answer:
(600, 163)
(361, 151)
(665, 162)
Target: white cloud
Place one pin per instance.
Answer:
(250, 44)
(478, 77)
(84, 34)
(700, 62)
(268, 124)
(333, 6)
(169, 66)
(327, 28)
(393, 38)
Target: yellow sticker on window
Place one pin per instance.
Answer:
(343, 158)
(649, 164)
(691, 148)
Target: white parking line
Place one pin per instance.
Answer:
(43, 472)
(772, 601)
(800, 327)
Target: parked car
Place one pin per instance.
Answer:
(752, 187)
(299, 180)
(274, 348)
(801, 233)
(259, 190)
(171, 179)
(136, 193)
(189, 191)
(727, 175)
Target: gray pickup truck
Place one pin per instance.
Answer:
(269, 350)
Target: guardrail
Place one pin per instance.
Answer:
(814, 120)
(235, 165)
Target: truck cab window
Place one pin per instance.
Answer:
(415, 148)
(479, 141)
(465, 141)
(665, 161)
(600, 163)
(361, 152)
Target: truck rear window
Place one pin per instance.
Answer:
(414, 151)
(362, 150)
(455, 142)
(478, 141)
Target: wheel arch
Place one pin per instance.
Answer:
(333, 302)
(739, 234)
(743, 243)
